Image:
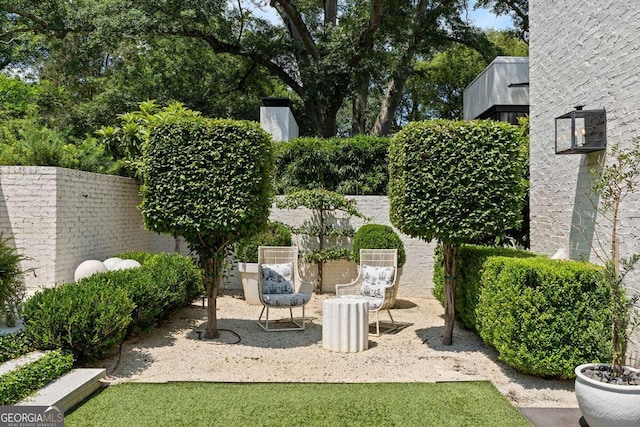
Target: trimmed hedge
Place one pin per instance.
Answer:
(377, 236)
(95, 315)
(88, 318)
(355, 166)
(469, 267)
(544, 316)
(14, 345)
(21, 382)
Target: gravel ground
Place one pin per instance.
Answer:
(246, 353)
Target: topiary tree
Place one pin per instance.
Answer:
(210, 182)
(323, 204)
(455, 182)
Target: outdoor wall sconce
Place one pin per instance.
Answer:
(581, 131)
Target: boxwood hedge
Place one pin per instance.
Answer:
(469, 266)
(544, 316)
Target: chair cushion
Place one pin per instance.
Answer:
(374, 303)
(285, 300)
(375, 280)
(277, 278)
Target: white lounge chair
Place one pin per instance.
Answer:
(377, 282)
(280, 285)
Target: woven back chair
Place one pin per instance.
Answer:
(280, 286)
(377, 282)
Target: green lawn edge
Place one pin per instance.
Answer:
(297, 404)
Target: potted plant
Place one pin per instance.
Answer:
(609, 394)
(246, 253)
(378, 236)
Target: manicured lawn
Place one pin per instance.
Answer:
(300, 404)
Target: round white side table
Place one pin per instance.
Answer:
(345, 324)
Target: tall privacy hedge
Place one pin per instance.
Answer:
(545, 317)
(355, 166)
(469, 268)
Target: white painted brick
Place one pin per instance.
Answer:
(587, 54)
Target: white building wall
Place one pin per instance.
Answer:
(60, 217)
(491, 86)
(581, 53)
(279, 123)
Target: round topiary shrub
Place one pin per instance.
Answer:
(378, 236)
(276, 234)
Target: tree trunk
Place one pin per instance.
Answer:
(450, 252)
(359, 106)
(320, 248)
(393, 94)
(212, 277)
(330, 12)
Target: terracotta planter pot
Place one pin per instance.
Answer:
(607, 405)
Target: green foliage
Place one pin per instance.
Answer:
(323, 224)
(164, 283)
(469, 267)
(14, 345)
(207, 180)
(133, 302)
(21, 382)
(276, 234)
(126, 142)
(544, 316)
(355, 165)
(11, 286)
(141, 256)
(88, 319)
(377, 236)
(456, 181)
(25, 142)
(613, 183)
(179, 275)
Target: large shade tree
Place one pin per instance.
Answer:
(210, 182)
(326, 52)
(455, 182)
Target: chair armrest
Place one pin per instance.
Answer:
(352, 288)
(305, 287)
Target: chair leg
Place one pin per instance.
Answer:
(265, 324)
(393, 322)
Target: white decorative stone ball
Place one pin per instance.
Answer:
(89, 268)
(126, 264)
(111, 263)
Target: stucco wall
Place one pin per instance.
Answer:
(60, 217)
(588, 54)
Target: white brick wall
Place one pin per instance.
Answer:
(417, 273)
(60, 217)
(581, 53)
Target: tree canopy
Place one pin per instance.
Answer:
(455, 182)
(330, 56)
